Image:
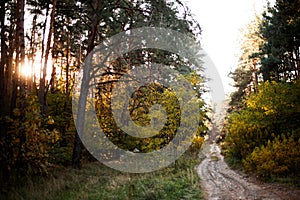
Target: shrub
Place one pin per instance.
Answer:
(259, 133)
(279, 157)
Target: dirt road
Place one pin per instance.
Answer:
(220, 182)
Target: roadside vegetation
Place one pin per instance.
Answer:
(96, 181)
(262, 126)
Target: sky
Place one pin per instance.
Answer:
(221, 22)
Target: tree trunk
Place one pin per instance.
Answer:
(77, 149)
(21, 7)
(3, 109)
(297, 53)
(44, 65)
(31, 81)
(255, 81)
(9, 69)
(3, 61)
(17, 67)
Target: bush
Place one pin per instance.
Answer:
(278, 158)
(264, 134)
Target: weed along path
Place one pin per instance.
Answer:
(220, 182)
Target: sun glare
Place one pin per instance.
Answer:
(26, 69)
(34, 68)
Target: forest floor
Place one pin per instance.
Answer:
(220, 182)
(96, 182)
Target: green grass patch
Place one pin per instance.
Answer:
(234, 163)
(214, 158)
(96, 182)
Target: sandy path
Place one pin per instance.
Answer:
(220, 182)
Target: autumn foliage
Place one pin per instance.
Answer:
(263, 119)
(265, 133)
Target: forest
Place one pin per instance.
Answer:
(45, 45)
(262, 124)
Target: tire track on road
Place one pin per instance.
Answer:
(220, 182)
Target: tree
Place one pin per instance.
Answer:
(3, 62)
(246, 74)
(42, 94)
(273, 111)
(127, 15)
(36, 121)
(264, 116)
(280, 52)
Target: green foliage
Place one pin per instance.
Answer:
(280, 50)
(29, 144)
(256, 132)
(196, 144)
(245, 76)
(60, 109)
(96, 181)
(39, 133)
(263, 125)
(140, 103)
(269, 51)
(279, 157)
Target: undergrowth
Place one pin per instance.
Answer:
(96, 181)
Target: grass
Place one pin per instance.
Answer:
(234, 163)
(96, 181)
(289, 181)
(214, 158)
